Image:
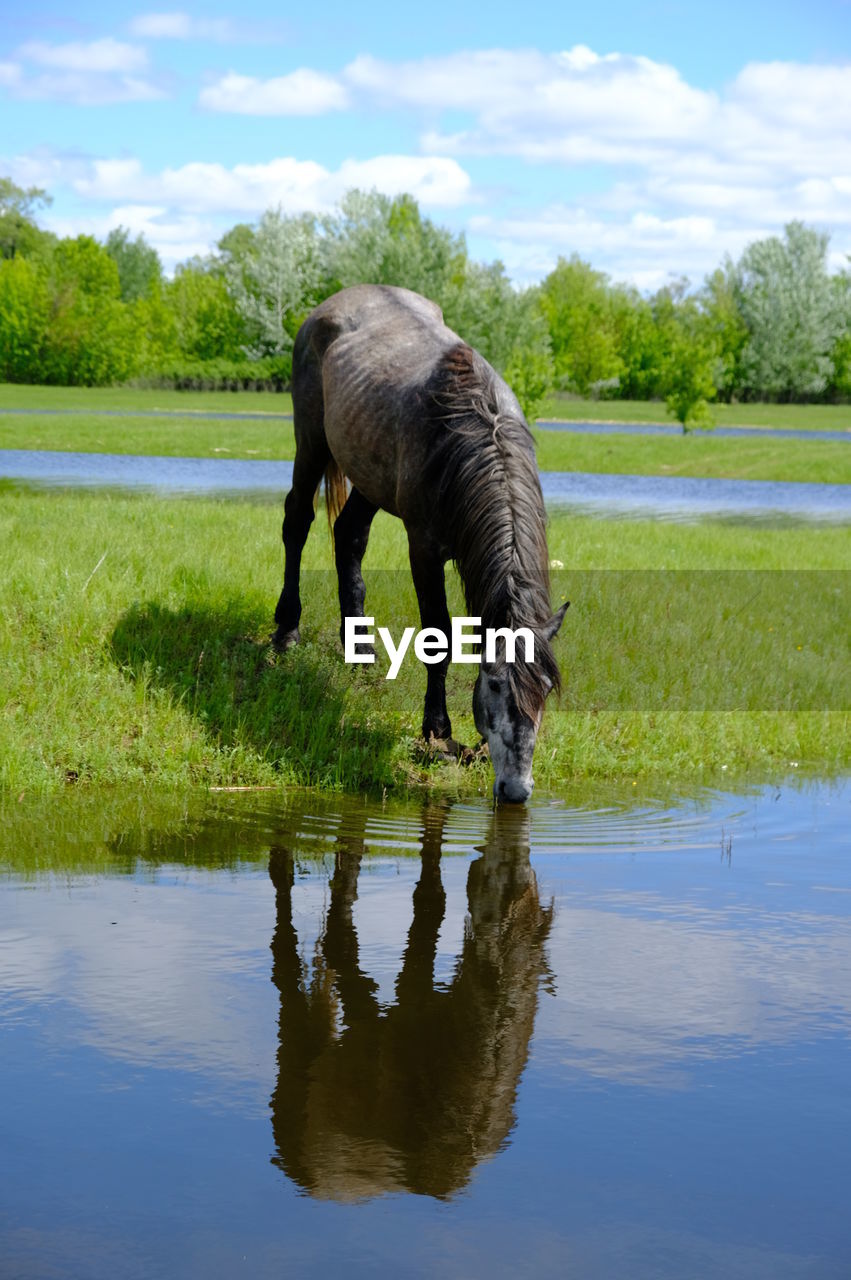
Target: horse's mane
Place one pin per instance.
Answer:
(489, 500)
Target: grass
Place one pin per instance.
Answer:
(797, 417)
(92, 399)
(134, 650)
(692, 455)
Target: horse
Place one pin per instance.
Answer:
(408, 1095)
(386, 396)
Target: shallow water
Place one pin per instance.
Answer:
(285, 1035)
(671, 497)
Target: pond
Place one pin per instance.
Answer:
(274, 1034)
(671, 497)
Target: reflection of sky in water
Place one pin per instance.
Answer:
(684, 1109)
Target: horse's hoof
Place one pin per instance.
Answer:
(445, 749)
(283, 640)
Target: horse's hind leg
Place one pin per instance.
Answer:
(312, 456)
(298, 517)
(351, 533)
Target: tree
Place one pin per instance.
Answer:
(19, 234)
(482, 307)
(139, 267)
(90, 339)
(24, 318)
(840, 352)
(277, 281)
(790, 310)
(577, 303)
(205, 319)
(720, 304)
(507, 326)
(688, 355)
(374, 239)
(639, 345)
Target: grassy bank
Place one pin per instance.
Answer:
(133, 649)
(203, 437)
(797, 417)
(126, 399)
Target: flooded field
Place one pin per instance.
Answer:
(671, 497)
(279, 1035)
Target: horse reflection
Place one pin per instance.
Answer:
(410, 1097)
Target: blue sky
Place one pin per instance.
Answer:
(649, 138)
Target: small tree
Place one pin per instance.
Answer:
(689, 356)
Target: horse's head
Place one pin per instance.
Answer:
(508, 703)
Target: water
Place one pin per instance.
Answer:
(670, 429)
(672, 497)
(279, 1035)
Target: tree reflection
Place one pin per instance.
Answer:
(410, 1096)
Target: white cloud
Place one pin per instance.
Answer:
(295, 185)
(526, 97)
(175, 236)
(300, 93)
(97, 56)
(182, 26)
(85, 74)
(86, 90)
(642, 248)
(10, 74)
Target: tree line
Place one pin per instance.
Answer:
(774, 325)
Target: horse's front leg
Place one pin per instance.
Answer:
(427, 571)
(351, 533)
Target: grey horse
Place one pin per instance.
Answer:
(386, 396)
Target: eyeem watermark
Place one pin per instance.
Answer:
(432, 645)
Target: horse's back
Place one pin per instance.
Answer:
(373, 350)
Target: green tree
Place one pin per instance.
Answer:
(19, 234)
(90, 338)
(206, 322)
(507, 326)
(24, 319)
(639, 345)
(275, 281)
(840, 352)
(720, 304)
(577, 303)
(139, 267)
(688, 355)
(483, 308)
(789, 307)
(374, 239)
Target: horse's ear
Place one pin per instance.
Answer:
(551, 627)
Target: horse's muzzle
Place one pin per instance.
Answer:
(512, 790)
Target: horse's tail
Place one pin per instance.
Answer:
(336, 492)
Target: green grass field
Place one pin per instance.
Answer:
(697, 454)
(134, 650)
(797, 417)
(800, 417)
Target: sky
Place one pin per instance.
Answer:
(652, 139)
